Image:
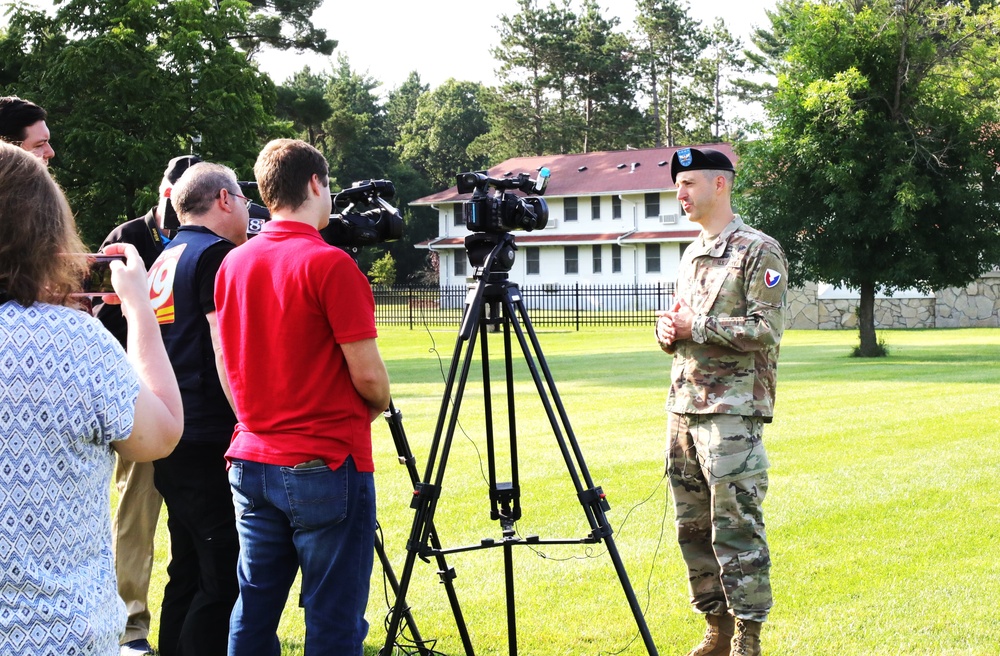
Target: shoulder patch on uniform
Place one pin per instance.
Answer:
(771, 278)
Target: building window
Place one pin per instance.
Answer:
(616, 207)
(616, 258)
(532, 261)
(595, 207)
(652, 205)
(597, 258)
(652, 258)
(569, 209)
(460, 262)
(571, 259)
(459, 218)
(682, 247)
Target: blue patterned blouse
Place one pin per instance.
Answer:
(66, 393)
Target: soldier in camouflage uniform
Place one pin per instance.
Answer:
(724, 333)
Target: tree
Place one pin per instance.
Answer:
(401, 106)
(880, 168)
(302, 101)
(130, 84)
(285, 25)
(532, 112)
(669, 44)
(567, 84)
(768, 51)
(383, 271)
(354, 138)
(713, 85)
(419, 223)
(436, 142)
(603, 83)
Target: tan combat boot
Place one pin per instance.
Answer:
(746, 642)
(717, 636)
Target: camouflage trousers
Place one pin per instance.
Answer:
(718, 475)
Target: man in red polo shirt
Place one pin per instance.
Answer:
(297, 325)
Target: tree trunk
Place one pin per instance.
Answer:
(869, 347)
(656, 104)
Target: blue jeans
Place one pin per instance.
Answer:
(320, 519)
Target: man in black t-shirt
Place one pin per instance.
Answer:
(139, 503)
(204, 548)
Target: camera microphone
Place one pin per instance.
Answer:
(366, 191)
(542, 181)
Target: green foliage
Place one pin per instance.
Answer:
(353, 137)
(285, 25)
(603, 84)
(567, 84)
(707, 101)
(879, 170)
(340, 113)
(436, 140)
(419, 223)
(302, 101)
(880, 350)
(383, 271)
(521, 103)
(401, 106)
(668, 47)
(129, 85)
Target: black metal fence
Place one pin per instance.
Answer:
(548, 305)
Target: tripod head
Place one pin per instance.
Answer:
(490, 252)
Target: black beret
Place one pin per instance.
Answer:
(692, 159)
(177, 166)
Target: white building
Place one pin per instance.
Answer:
(614, 219)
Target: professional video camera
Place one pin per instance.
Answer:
(350, 229)
(503, 212)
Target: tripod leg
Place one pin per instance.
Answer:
(394, 418)
(426, 494)
(394, 584)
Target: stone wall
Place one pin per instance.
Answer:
(977, 305)
(803, 310)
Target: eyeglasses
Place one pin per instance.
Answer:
(246, 201)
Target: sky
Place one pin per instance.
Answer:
(441, 39)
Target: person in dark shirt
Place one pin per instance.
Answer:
(204, 548)
(134, 527)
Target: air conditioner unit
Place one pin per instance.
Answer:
(668, 219)
(552, 223)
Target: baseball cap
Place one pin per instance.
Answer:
(693, 159)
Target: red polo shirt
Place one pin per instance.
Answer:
(286, 301)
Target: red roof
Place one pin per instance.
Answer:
(548, 239)
(590, 174)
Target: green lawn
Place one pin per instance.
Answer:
(882, 526)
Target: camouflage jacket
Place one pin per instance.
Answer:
(736, 286)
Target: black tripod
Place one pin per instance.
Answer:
(494, 301)
(394, 418)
